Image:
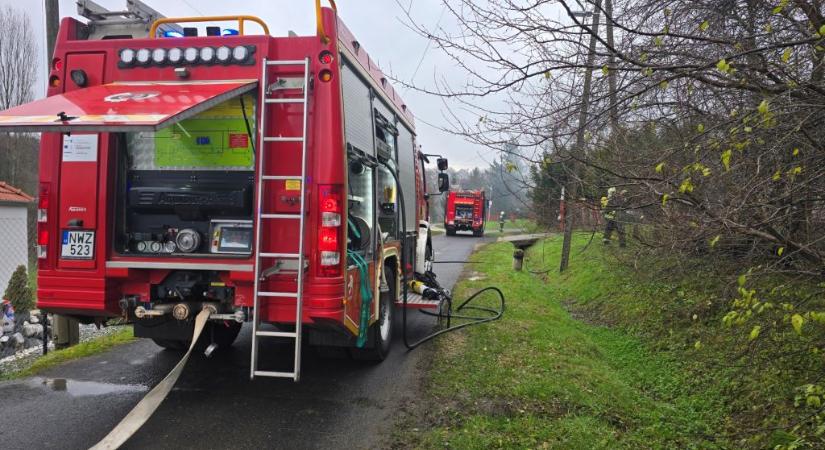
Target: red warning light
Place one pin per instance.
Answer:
(325, 57)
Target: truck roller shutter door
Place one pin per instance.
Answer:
(383, 110)
(406, 174)
(357, 111)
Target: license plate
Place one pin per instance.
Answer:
(78, 244)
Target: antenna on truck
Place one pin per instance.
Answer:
(134, 22)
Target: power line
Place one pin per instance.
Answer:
(193, 8)
(429, 42)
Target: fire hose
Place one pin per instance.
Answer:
(147, 406)
(444, 295)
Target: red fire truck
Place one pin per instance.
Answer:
(271, 180)
(465, 211)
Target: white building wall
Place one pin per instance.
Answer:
(13, 242)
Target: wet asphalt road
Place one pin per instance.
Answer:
(338, 403)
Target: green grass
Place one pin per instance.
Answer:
(492, 228)
(540, 378)
(512, 227)
(82, 350)
(33, 278)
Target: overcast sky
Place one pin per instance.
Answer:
(378, 26)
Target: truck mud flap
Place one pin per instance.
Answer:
(149, 404)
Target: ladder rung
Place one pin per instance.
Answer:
(280, 216)
(283, 139)
(281, 177)
(287, 62)
(265, 373)
(291, 334)
(284, 100)
(278, 294)
(280, 255)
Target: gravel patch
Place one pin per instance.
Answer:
(25, 358)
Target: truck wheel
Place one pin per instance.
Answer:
(221, 334)
(450, 231)
(379, 336)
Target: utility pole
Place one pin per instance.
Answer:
(52, 9)
(573, 187)
(66, 331)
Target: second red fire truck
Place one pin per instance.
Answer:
(465, 211)
(272, 180)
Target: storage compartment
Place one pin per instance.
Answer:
(182, 188)
(175, 212)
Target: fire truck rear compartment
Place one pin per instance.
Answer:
(157, 206)
(187, 190)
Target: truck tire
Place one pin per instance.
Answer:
(222, 335)
(450, 231)
(379, 336)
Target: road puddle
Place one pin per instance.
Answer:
(77, 388)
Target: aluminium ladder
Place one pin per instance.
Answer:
(263, 216)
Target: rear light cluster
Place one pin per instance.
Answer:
(57, 69)
(329, 233)
(43, 220)
(326, 58)
(176, 56)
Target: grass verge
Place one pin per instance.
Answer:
(82, 350)
(542, 378)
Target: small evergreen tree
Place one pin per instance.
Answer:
(19, 292)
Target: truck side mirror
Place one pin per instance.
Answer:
(443, 182)
(442, 164)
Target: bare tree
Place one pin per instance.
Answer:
(18, 74)
(18, 58)
(709, 113)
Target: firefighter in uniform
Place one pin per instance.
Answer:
(610, 206)
(501, 222)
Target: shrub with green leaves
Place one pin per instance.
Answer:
(19, 292)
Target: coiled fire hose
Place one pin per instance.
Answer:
(148, 404)
(444, 294)
(366, 297)
(364, 283)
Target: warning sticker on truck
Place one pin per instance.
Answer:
(80, 148)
